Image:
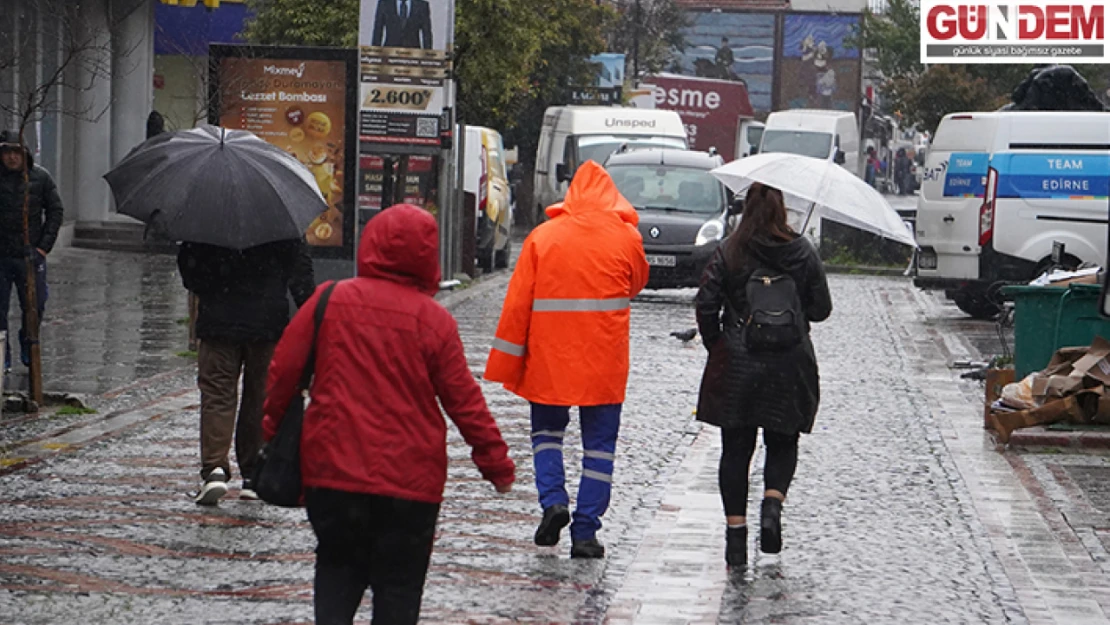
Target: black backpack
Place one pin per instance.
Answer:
(775, 321)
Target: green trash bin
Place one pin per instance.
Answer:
(1047, 318)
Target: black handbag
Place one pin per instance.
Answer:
(277, 474)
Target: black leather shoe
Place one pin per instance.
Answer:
(736, 547)
(555, 518)
(770, 526)
(587, 549)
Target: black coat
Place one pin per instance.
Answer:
(243, 294)
(778, 391)
(45, 216)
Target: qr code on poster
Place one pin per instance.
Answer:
(427, 127)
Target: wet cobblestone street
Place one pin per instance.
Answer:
(902, 510)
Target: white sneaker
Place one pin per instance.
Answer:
(215, 486)
(247, 493)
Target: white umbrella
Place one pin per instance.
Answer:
(838, 194)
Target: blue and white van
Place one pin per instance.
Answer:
(999, 189)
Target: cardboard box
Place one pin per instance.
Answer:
(1073, 369)
(997, 379)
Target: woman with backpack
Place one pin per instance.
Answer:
(759, 293)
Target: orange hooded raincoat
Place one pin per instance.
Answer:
(563, 335)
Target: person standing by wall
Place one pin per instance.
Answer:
(752, 381)
(45, 215)
(562, 341)
(243, 309)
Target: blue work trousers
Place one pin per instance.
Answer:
(600, 426)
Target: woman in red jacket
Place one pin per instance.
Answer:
(373, 448)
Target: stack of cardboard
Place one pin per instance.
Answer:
(1073, 388)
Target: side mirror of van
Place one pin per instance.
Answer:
(562, 174)
(839, 158)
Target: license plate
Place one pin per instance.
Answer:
(662, 261)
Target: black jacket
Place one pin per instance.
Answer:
(778, 391)
(243, 294)
(46, 212)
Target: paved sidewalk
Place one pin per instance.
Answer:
(904, 511)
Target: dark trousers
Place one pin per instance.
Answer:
(600, 427)
(219, 367)
(13, 276)
(371, 541)
(736, 457)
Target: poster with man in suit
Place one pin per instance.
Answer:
(403, 24)
(420, 24)
(404, 70)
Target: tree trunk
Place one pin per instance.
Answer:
(31, 313)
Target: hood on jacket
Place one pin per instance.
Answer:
(401, 244)
(593, 190)
(12, 137)
(786, 255)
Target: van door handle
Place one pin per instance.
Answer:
(949, 219)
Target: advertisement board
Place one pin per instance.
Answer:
(710, 109)
(299, 99)
(1003, 31)
(404, 70)
(420, 181)
(819, 70)
(732, 46)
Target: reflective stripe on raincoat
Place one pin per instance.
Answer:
(563, 335)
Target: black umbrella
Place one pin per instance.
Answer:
(217, 186)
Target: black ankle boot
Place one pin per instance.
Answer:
(770, 526)
(736, 547)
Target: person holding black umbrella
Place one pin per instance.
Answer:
(243, 311)
(240, 207)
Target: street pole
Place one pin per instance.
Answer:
(637, 16)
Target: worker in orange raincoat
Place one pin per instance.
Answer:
(563, 341)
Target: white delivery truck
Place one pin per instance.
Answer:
(999, 189)
(832, 135)
(571, 135)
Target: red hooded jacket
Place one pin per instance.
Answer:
(385, 352)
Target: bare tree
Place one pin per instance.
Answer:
(31, 89)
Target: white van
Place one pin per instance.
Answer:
(748, 136)
(999, 189)
(486, 177)
(572, 135)
(832, 135)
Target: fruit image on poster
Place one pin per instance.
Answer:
(299, 106)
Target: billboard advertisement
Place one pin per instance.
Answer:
(608, 86)
(739, 47)
(1002, 31)
(710, 109)
(420, 181)
(298, 100)
(818, 69)
(404, 70)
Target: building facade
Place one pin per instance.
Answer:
(93, 63)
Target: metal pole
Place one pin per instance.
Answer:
(637, 17)
(458, 194)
